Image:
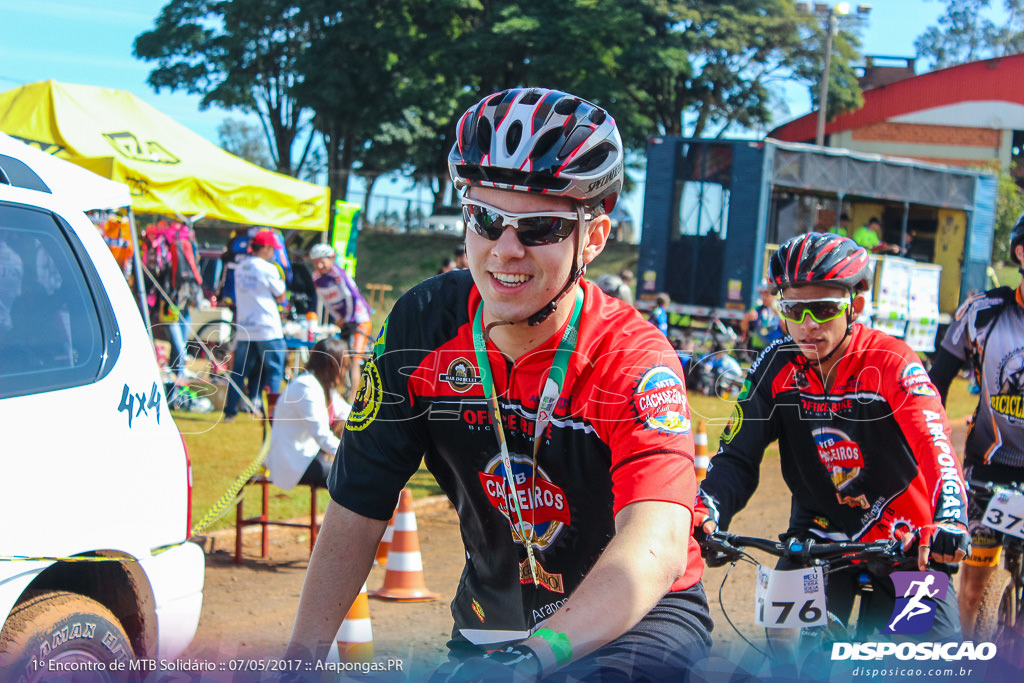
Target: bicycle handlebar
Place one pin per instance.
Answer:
(720, 547)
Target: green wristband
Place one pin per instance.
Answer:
(559, 643)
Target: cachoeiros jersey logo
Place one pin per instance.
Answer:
(659, 401)
(543, 504)
(839, 454)
(1009, 399)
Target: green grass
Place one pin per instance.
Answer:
(1008, 274)
(221, 452)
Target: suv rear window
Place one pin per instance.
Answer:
(52, 332)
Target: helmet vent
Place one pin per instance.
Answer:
(530, 97)
(566, 106)
(577, 138)
(513, 137)
(545, 142)
(483, 135)
(592, 159)
(597, 116)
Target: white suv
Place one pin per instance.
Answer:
(96, 570)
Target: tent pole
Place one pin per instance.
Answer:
(137, 265)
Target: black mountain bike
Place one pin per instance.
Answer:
(806, 609)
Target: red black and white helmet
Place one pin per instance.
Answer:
(820, 259)
(539, 140)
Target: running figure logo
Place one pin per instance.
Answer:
(916, 595)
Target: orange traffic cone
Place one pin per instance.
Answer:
(403, 580)
(385, 544)
(355, 637)
(701, 460)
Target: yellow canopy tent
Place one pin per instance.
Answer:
(169, 168)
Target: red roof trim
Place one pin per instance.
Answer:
(990, 79)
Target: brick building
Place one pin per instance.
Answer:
(966, 115)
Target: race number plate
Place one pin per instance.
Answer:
(1005, 512)
(790, 599)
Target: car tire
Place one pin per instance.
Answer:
(61, 635)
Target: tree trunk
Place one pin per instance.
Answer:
(365, 213)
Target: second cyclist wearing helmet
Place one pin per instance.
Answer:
(863, 437)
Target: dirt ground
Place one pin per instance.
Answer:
(248, 608)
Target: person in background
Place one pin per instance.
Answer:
(659, 316)
(446, 265)
(629, 280)
(613, 285)
(302, 440)
(870, 237)
(864, 442)
(761, 326)
(461, 262)
(598, 576)
(345, 306)
(260, 350)
(843, 229)
(988, 335)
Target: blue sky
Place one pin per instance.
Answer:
(90, 42)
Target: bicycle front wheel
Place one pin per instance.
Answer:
(997, 609)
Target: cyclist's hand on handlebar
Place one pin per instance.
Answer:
(946, 542)
(705, 513)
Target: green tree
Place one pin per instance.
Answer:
(967, 32)
(1009, 207)
(353, 77)
(245, 140)
(238, 55)
(716, 64)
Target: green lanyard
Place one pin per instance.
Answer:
(545, 407)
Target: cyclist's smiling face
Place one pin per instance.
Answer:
(516, 281)
(817, 340)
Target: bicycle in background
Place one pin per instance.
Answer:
(1001, 612)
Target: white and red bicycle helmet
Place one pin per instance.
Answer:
(539, 140)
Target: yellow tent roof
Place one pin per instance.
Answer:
(167, 166)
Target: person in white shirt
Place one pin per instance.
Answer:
(302, 444)
(260, 350)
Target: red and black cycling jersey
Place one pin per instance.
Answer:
(878, 431)
(620, 433)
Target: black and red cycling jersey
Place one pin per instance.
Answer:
(989, 332)
(620, 433)
(879, 431)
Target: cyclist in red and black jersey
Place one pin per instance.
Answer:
(989, 334)
(863, 436)
(552, 415)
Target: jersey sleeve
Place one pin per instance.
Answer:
(956, 341)
(922, 419)
(735, 469)
(384, 437)
(644, 418)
